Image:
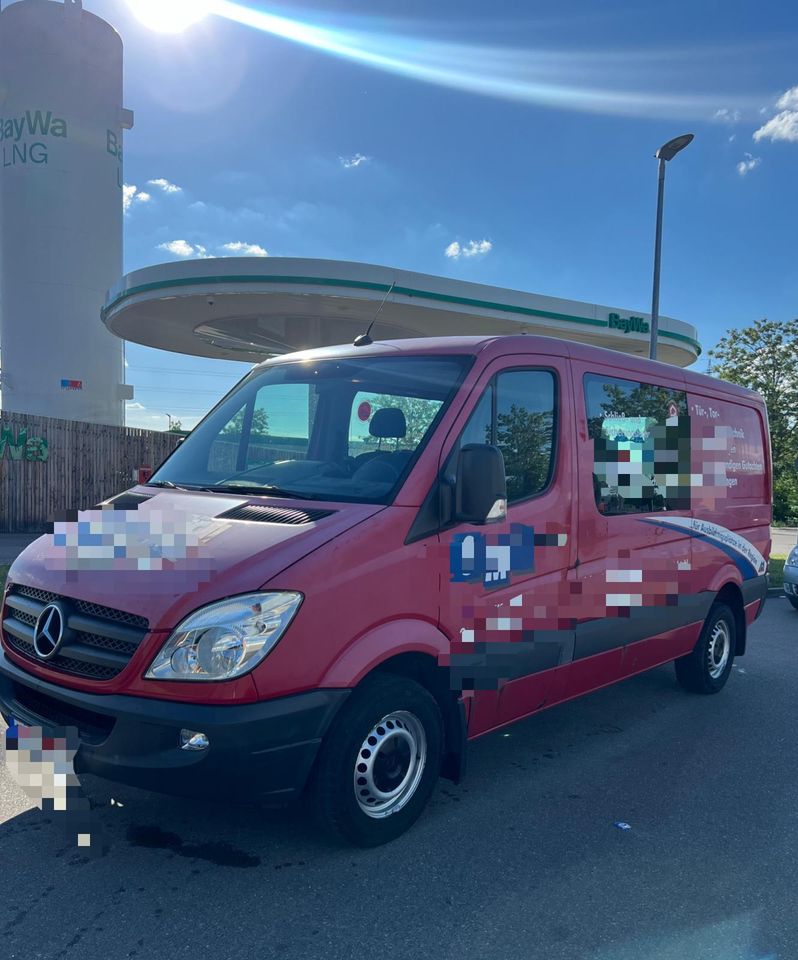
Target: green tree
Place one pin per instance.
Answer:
(764, 357)
(176, 427)
(260, 424)
(524, 438)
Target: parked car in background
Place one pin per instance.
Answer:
(791, 577)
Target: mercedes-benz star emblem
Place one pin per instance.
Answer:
(49, 633)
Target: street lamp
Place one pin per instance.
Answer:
(666, 152)
(169, 418)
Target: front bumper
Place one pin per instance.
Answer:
(258, 751)
(791, 581)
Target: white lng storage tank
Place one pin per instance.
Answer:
(61, 123)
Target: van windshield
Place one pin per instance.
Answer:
(335, 429)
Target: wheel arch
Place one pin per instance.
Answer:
(428, 673)
(732, 596)
(415, 649)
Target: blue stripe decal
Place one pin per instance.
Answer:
(742, 563)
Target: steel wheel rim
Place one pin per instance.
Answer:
(389, 764)
(719, 649)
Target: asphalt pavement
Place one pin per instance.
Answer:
(523, 860)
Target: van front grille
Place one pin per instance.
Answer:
(84, 606)
(98, 641)
(39, 709)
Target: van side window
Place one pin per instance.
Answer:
(516, 413)
(524, 430)
(641, 445)
(478, 429)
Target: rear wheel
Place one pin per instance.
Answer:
(707, 668)
(379, 762)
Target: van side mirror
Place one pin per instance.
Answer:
(480, 494)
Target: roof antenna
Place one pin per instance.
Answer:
(363, 339)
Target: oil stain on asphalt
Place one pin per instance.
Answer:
(220, 854)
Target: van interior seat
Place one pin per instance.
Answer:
(388, 423)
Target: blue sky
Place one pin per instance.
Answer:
(524, 132)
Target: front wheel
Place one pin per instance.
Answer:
(707, 668)
(794, 602)
(379, 762)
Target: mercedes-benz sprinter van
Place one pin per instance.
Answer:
(365, 556)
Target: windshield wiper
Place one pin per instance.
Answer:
(265, 491)
(163, 483)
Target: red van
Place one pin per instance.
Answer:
(366, 556)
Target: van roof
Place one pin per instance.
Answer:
(625, 364)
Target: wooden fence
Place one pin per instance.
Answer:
(48, 466)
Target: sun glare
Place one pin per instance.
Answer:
(169, 16)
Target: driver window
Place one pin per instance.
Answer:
(479, 429)
(516, 413)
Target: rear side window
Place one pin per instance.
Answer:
(729, 453)
(641, 445)
(516, 413)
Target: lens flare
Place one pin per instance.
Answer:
(169, 16)
(635, 83)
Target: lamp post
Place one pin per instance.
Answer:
(169, 418)
(666, 152)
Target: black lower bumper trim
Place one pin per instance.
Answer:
(257, 751)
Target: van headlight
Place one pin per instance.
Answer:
(792, 560)
(225, 639)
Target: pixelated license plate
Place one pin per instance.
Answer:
(41, 762)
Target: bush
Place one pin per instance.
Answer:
(785, 499)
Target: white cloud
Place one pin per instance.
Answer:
(788, 100)
(474, 248)
(131, 194)
(747, 164)
(784, 125)
(354, 161)
(165, 185)
(138, 416)
(724, 115)
(245, 249)
(732, 138)
(182, 248)
(143, 418)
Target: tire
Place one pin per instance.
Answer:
(707, 668)
(386, 794)
(794, 602)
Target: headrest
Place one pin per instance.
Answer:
(388, 422)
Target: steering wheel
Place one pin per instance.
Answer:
(334, 468)
(372, 469)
